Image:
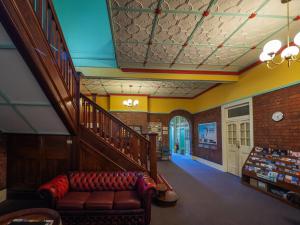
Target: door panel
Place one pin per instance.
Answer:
(232, 139)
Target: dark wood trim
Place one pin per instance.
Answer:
(23, 27)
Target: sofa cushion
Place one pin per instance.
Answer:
(103, 181)
(73, 200)
(126, 200)
(100, 200)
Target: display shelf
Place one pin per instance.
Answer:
(273, 171)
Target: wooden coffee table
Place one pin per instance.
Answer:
(32, 214)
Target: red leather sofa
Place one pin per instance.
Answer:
(117, 198)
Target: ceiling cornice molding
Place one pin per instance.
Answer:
(207, 72)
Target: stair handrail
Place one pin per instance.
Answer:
(113, 117)
(48, 20)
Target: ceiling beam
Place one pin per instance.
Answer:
(94, 72)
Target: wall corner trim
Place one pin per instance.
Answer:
(208, 163)
(3, 195)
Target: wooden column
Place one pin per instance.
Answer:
(153, 156)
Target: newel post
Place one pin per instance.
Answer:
(153, 156)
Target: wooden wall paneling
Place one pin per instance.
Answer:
(93, 160)
(34, 159)
(3, 162)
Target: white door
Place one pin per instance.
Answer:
(238, 144)
(245, 142)
(232, 147)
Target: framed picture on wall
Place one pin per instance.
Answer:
(207, 135)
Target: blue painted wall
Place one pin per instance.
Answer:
(87, 31)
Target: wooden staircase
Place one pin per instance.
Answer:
(103, 141)
(117, 141)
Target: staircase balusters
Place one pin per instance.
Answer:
(49, 23)
(113, 131)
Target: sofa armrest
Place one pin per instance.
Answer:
(54, 189)
(146, 190)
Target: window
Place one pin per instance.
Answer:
(238, 111)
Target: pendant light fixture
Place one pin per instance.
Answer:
(289, 54)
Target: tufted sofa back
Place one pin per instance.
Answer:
(103, 181)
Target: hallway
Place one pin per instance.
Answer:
(210, 197)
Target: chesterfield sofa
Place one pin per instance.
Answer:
(101, 198)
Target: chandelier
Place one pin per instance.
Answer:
(289, 53)
(130, 103)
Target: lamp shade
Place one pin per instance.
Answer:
(290, 51)
(297, 39)
(135, 102)
(266, 57)
(272, 46)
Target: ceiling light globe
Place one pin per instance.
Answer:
(129, 101)
(289, 52)
(272, 47)
(135, 102)
(265, 57)
(297, 39)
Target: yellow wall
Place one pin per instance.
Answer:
(256, 81)
(167, 105)
(116, 103)
(103, 101)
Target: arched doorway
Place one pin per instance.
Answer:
(180, 135)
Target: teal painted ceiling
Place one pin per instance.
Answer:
(87, 31)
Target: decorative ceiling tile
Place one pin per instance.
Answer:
(180, 66)
(256, 30)
(147, 87)
(232, 68)
(249, 58)
(215, 29)
(227, 24)
(163, 53)
(277, 8)
(225, 55)
(184, 5)
(132, 26)
(237, 6)
(174, 28)
(194, 54)
(131, 52)
(136, 4)
(211, 67)
(282, 34)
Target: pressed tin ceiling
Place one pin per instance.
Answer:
(169, 88)
(219, 35)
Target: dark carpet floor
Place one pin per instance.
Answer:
(211, 197)
(207, 197)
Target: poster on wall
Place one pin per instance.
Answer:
(207, 135)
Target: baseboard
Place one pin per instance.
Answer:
(3, 195)
(209, 163)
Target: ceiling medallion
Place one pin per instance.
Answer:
(131, 103)
(289, 53)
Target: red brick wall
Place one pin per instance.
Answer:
(134, 119)
(3, 162)
(284, 134)
(212, 115)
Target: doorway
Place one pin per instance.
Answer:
(237, 134)
(180, 136)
